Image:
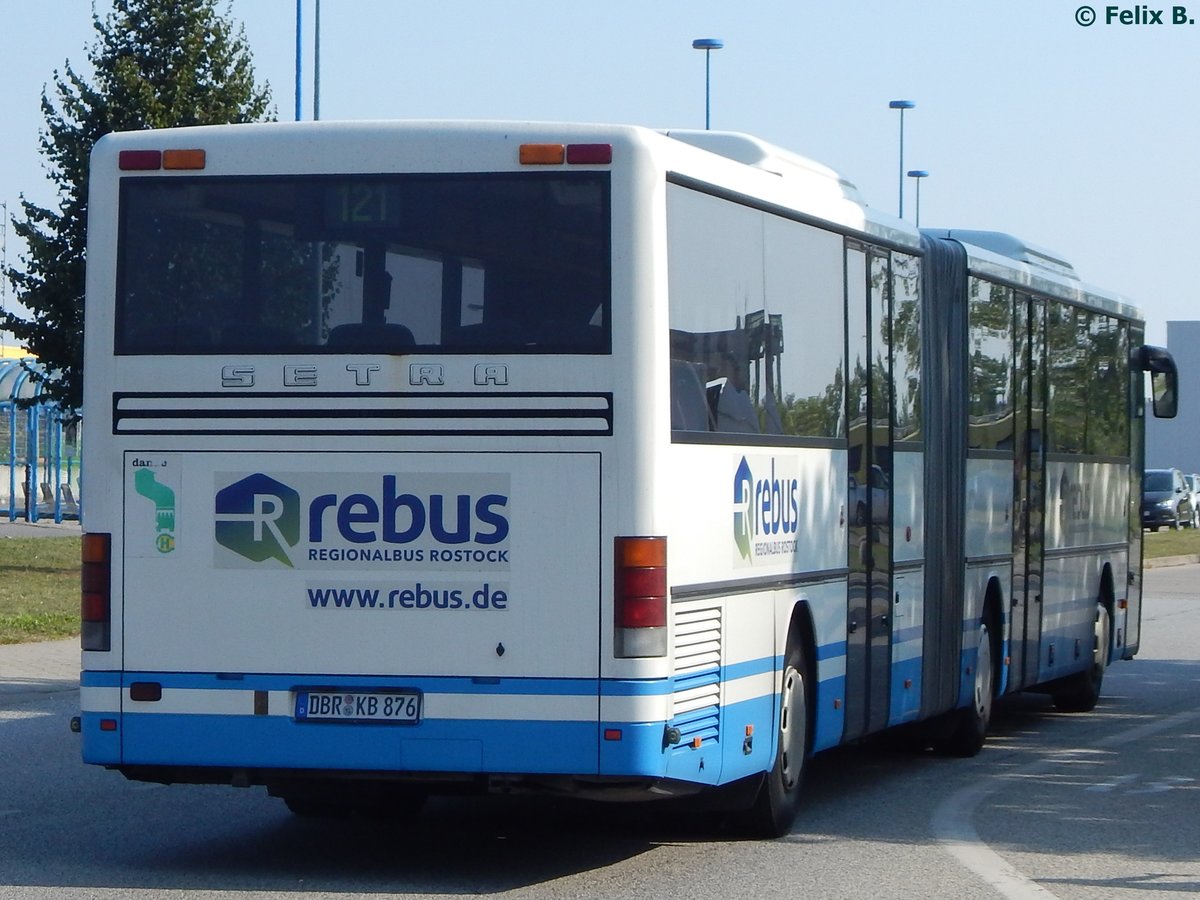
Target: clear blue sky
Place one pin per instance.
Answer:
(1085, 140)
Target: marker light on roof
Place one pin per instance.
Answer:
(542, 154)
(139, 160)
(183, 159)
(589, 154)
(572, 154)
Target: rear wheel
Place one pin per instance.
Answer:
(969, 730)
(779, 796)
(1081, 693)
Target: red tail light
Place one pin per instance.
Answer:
(96, 595)
(640, 596)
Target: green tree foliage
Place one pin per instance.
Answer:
(156, 64)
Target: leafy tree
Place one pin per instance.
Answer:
(156, 64)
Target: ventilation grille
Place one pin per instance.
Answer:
(562, 414)
(696, 703)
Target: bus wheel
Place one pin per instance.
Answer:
(1081, 693)
(969, 727)
(779, 796)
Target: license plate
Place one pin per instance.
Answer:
(395, 707)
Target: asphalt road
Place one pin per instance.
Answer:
(1070, 806)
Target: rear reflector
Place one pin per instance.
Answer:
(95, 606)
(139, 160)
(640, 596)
(145, 691)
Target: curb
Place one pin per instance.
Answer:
(1162, 561)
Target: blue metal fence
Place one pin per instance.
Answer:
(39, 449)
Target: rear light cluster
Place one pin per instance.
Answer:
(96, 596)
(640, 596)
(153, 160)
(571, 154)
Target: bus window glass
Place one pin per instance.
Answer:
(1108, 400)
(1068, 330)
(742, 284)
(906, 347)
(510, 263)
(989, 384)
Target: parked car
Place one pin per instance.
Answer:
(1193, 483)
(1166, 499)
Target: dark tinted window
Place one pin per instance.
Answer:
(757, 321)
(498, 262)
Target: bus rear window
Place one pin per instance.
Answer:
(499, 263)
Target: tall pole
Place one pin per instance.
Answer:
(901, 105)
(918, 174)
(707, 45)
(317, 64)
(299, 50)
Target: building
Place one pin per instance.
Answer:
(1176, 442)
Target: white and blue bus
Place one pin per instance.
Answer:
(445, 456)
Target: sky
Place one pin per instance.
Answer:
(1083, 139)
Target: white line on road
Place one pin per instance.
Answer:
(954, 829)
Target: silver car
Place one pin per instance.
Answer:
(1193, 485)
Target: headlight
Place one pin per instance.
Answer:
(1165, 504)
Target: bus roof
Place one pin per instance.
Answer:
(818, 190)
(1004, 257)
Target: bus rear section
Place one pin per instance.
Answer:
(389, 611)
(347, 489)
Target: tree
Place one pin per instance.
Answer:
(157, 64)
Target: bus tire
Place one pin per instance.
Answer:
(1081, 693)
(969, 727)
(778, 797)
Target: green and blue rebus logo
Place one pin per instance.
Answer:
(766, 507)
(259, 518)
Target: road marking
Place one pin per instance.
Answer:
(953, 827)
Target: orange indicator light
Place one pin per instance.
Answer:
(183, 159)
(542, 154)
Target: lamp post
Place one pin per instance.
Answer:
(317, 63)
(901, 105)
(707, 45)
(299, 48)
(918, 174)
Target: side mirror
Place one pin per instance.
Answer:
(1164, 379)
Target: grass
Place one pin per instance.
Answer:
(1167, 542)
(39, 582)
(39, 588)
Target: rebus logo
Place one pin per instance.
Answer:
(743, 515)
(258, 518)
(766, 511)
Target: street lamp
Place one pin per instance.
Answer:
(918, 174)
(901, 105)
(707, 45)
(299, 48)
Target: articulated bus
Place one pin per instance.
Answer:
(444, 456)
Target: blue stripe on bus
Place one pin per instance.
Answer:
(100, 679)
